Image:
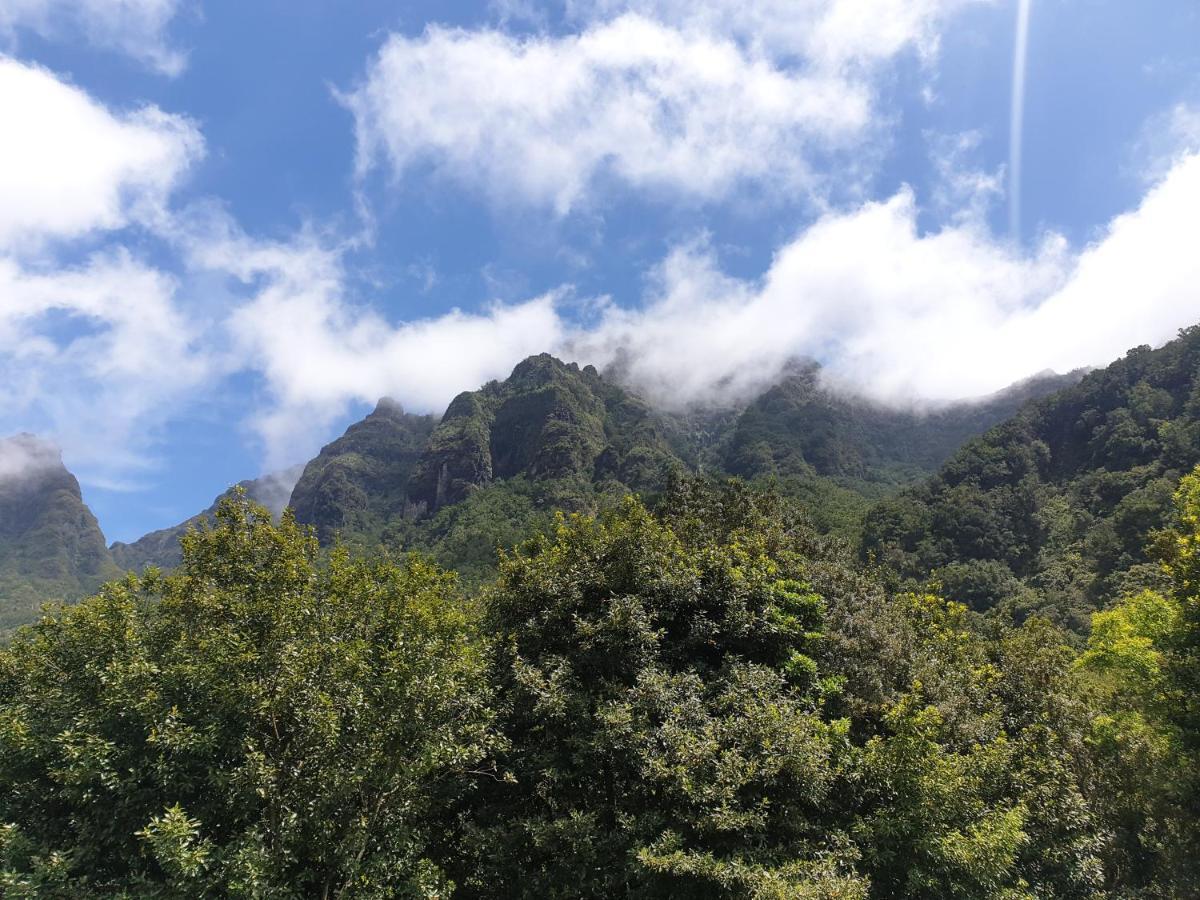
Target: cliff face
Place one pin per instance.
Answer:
(548, 420)
(51, 547)
(360, 481)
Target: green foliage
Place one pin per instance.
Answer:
(252, 725)
(658, 694)
(1141, 660)
(1061, 502)
(711, 702)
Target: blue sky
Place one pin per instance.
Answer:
(226, 229)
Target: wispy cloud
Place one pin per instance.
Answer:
(832, 35)
(137, 28)
(24, 456)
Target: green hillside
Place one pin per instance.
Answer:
(556, 437)
(492, 470)
(1055, 509)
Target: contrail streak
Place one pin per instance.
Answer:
(1016, 122)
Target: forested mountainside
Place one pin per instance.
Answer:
(1055, 510)
(51, 547)
(161, 548)
(492, 471)
(800, 428)
(554, 436)
(838, 454)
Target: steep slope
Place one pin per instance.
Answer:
(161, 548)
(494, 469)
(839, 453)
(358, 483)
(1052, 510)
(801, 428)
(51, 547)
(549, 420)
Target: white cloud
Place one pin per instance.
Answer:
(98, 351)
(24, 456)
(92, 350)
(545, 120)
(69, 165)
(134, 27)
(831, 34)
(1165, 139)
(317, 351)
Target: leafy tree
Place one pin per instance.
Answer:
(253, 725)
(660, 700)
(1141, 660)
(710, 702)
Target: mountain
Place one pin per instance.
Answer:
(51, 546)
(838, 453)
(1052, 510)
(550, 420)
(801, 428)
(161, 548)
(554, 436)
(490, 472)
(360, 482)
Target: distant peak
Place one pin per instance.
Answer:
(390, 406)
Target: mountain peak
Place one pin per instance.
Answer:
(389, 406)
(24, 455)
(542, 368)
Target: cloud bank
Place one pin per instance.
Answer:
(892, 312)
(25, 456)
(899, 315)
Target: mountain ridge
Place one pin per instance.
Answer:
(554, 435)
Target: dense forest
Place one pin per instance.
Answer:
(705, 699)
(547, 646)
(1055, 510)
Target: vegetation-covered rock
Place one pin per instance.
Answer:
(1055, 509)
(359, 482)
(162, 548)
(51, 547)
